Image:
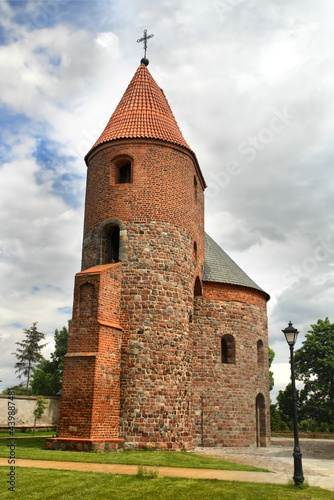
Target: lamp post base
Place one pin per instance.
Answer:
(298, 476)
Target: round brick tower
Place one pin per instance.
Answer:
(145, 210)
(167, 346)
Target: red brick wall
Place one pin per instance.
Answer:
(91, 381)
(162, 190)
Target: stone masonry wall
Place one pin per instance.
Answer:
(226, 392)
(157, 300)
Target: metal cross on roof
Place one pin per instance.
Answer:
(144, 39)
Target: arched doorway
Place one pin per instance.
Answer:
(112, 242)
(260, 421)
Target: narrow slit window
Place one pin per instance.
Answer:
(223, 351)
(198, 292)
(227, 344)
(260, 353)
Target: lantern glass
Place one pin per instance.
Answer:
(291, 334)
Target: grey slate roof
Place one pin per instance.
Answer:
(220, 268)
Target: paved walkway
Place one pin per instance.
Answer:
(318, 471)
(318, 459)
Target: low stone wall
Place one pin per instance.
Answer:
(24, 408)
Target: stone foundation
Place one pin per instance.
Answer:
(72, 444)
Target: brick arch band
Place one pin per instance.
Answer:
(123, 239)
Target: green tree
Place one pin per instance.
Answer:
(45, 379)
(28, 354)
(47, 376)
(284, 402)
(19, 390)
(61, 338)
(314, 365)
(276, 420)
(41, 404)
(271, 374)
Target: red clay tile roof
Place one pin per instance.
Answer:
(143, 112)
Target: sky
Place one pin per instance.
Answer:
(250, 83)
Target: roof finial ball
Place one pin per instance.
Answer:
(144, 39)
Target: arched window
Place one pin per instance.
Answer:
(261, 428)
(198, 292)
(123, 170)
(223, 350)
(112, 242)
(198, 288)
(227, 345)
(260, 353)
(109, 250)
(125, 174)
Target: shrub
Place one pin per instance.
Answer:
(304, 426)
(284, 426)
(313, 426)
(147, 473)
(324, 427)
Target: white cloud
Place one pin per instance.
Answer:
(40, 236)
(225, 71)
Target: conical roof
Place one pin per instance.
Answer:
(143, 112)
(220, 268)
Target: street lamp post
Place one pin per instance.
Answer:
(291, 334)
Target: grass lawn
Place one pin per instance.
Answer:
(55, 484)
(5, 434)
(33, 448)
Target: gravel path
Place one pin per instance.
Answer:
(318, 456)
